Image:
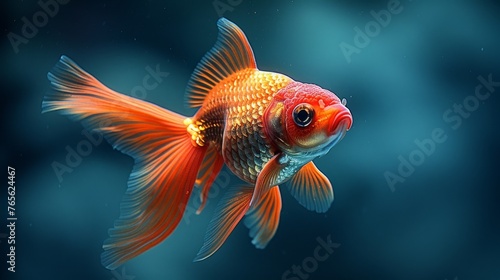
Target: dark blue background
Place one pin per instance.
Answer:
(442, 222)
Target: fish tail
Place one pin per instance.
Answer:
(167, 160)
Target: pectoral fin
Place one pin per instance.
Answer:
(311, 188)
(267, 178)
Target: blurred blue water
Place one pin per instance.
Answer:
(440, 223)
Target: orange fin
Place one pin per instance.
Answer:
(210, 168)
(263, 219)
(231, 208)
(267, 178)
(166, 161)
(311, 188)
(230, 54)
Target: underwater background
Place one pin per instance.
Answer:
(416, 179)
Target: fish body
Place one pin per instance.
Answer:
(231, 119)
(264, 126)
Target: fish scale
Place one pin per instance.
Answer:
(239, 102)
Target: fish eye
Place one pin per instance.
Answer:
(303, 114)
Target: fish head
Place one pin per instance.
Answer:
(305, 119)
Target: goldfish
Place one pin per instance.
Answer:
(265, 127)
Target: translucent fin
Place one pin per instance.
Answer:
(231, 208)
(166, 161)
(230, 54)
(311, 188)
(263, 219)
(210, 168)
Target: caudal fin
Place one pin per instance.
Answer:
(166, 160)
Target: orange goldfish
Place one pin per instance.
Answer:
(264, 126)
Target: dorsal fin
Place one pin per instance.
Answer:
(230, 54)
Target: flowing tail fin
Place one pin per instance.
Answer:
(166, 158)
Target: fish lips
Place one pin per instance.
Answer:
(341, 121)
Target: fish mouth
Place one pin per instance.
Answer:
(341, 123)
